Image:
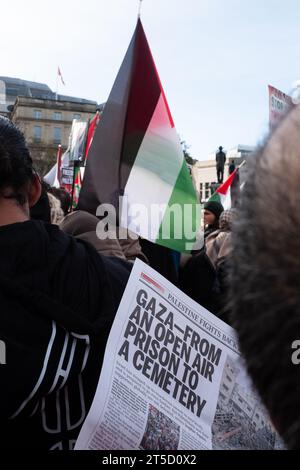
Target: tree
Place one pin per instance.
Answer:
(190, 160)
(43, 160)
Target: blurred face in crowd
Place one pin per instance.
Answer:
(209, 217)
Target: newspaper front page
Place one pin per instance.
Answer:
(172, 378)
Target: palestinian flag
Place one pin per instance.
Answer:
(91, 131)
(136, 153)
(77, 186)
(55, 177)
(228, 192)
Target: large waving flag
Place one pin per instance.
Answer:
(136, 153)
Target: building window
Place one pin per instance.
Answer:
(201, 191)
(76, 116)
(206, 192)
(37, 133)
(12, 91)
(37, 114)
(57, 135)
(225, 387)
(228, 378)
(57, 116)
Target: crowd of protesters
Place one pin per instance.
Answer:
(58, 301)
(60, 287)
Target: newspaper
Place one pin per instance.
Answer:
(172, 378)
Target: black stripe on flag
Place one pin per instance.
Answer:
(122, 127)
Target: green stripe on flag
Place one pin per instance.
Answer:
(215, 197)
(181, 220)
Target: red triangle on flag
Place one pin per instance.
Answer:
(226, 185)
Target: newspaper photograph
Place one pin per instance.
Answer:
(172, 378)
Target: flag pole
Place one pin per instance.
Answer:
(85, 141)
(56, 90)
(59, 154)
(242, 164)
(73, 184)
(140, 7)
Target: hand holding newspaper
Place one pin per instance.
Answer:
(172, 378)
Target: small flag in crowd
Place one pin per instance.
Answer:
(57, 179)
(136, 153)
(77, 186)
(227, 192)
(91, 131)
(55, 176)
(60, 76)
(52, 176)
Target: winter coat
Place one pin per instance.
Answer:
(58, 300)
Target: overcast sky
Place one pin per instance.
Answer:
(215, 58)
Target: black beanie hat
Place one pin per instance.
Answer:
(215, 207)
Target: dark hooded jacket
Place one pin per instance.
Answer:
(58, 301)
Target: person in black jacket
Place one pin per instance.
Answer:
(231, 167)
(220, 162)
(58, 301)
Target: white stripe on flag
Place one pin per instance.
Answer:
(154, 173)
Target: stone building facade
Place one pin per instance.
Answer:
(44, 116)
(46, 124)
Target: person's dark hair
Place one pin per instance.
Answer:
(15, 162)
(41, 210)
(265, 274)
